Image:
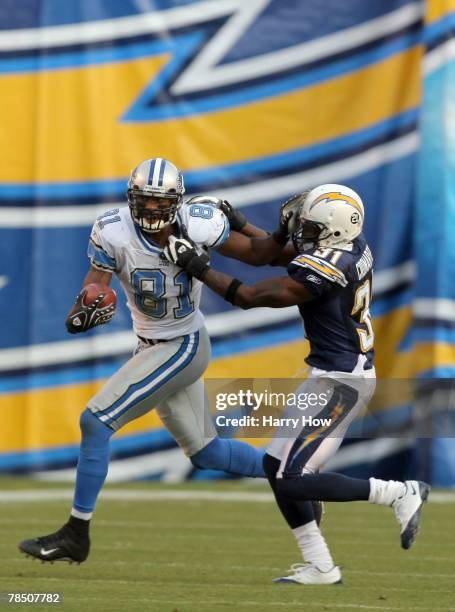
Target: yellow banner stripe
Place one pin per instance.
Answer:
(68, 127)
(438, 9)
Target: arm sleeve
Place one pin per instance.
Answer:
(100, 252)
(222, 236)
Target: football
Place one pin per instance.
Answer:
(92, 291)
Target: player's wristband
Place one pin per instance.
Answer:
(198, 265)
(232, 290)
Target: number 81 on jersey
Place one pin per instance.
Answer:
(150, 293)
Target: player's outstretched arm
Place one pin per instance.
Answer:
(277, 292)
(259, 251)
(252, 231)
(253, 251)
(247, 242)
(92, 306)
(285, 256)
(249, 251)
(239, 223)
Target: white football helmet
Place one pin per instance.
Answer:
(155, 178)
(330, 215)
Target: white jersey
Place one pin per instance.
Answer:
(163, 300)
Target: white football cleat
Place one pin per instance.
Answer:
(408, 508)
(307, 573)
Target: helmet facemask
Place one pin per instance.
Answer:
(307, 234)
(153, 219)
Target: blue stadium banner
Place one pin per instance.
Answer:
(254, 101)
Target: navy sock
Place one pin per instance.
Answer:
(93, 461)
(296, 513)
(325, 487)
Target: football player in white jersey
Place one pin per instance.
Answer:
(173, 348)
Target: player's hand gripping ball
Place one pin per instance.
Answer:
(95, 305)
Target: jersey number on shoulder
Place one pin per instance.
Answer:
(201, 211)
(362, 304)
(324, 254)
(150, 289)
(111, 216)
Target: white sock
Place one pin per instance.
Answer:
(85, 516)
(313, 546)
(385, 492)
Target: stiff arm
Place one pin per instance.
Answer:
(276, 292)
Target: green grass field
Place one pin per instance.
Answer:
(202, 555)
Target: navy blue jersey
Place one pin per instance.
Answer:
(337, 321)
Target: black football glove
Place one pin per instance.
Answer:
(289, 212)
(237, 219)
(83, 317)
(182, 252)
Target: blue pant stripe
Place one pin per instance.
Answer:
(167, 368)
(168, 377)
(141, 383)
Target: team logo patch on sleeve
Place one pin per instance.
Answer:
(323, 268)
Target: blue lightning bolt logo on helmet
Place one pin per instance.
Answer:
(155, 194)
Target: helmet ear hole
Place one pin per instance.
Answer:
(337, 234)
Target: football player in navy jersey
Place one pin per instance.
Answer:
(329, 279)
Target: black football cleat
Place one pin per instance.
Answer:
(63, 545)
